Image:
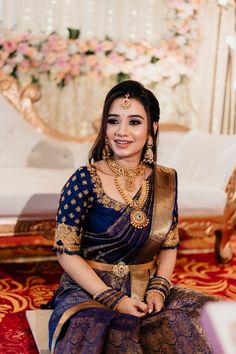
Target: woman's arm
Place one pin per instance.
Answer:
(81, 273)
(166, 264)
(92, 283)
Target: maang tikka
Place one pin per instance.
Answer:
(106, 152)
(126, 102)
(148, 156)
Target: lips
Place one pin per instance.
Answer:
(123, 142)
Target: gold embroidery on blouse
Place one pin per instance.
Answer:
(102, 198)
(67, 238)
(59, 212)
(76, 188)
(86, 192)
(63, 198)
(74, 178)
(71, 215)
(77, 221)
(80, 195)
(69, 192)
(67, 184)
(78, 209)
(172, 238)
(66, 206)
(73, 201)
(84, 183)
(82, 174)
(63, 219)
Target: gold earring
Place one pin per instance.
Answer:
(148, 156)
(106, 152)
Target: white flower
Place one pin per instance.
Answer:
(120, 48)
(39, 56)
(131, 53)
(18, 58)
(7, 69)
(72, 48)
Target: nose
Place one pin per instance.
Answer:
(122, 128)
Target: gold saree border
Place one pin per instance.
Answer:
(162, 214)
(69, 313)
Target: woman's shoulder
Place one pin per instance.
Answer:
(81, 177)
(165, 169)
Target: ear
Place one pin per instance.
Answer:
(155, 127)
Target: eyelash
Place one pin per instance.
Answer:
(131, 122)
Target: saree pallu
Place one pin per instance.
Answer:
(81, 325)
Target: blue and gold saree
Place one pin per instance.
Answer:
(94, 226)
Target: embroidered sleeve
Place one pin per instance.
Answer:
(172, 239)
(73, 206)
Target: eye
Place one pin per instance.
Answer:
(112, 121)
(135, 122)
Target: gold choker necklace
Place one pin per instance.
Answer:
(138, 218)
(129, 174)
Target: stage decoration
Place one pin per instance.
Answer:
(27, 57)
(66, 71)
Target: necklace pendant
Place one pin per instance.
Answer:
(130, 184)
(138, 219)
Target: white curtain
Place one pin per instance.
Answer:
(213, 86)
(126, 19)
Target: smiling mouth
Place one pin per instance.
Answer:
(123, 142)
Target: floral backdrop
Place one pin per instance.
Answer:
(86, 68)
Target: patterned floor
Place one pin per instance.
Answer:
(27, 286)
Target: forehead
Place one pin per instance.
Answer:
(135, 107)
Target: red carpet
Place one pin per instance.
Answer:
(27, 286)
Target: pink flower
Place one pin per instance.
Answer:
(9, 45)
(24, 66)
(22, 47)
(91, 60)
(4, 55)
(50, 58)
(31, 52)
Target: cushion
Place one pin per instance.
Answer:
(38, 322)
(204, 157)
(196, 198)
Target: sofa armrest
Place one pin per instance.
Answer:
(230, 208)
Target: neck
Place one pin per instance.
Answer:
(129, 162)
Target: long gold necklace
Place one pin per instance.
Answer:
(138, 218)
(129, 174)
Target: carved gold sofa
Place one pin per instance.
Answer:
(206, 166)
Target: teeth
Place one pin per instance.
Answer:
(122, 142)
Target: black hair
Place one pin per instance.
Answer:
(137, 91)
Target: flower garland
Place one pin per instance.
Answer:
(27, 57)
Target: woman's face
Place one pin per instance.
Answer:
(127, 130)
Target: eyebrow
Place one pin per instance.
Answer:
(129, 116)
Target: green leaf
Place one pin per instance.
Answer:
(121, 77)
(154, 60)
(73, 33)
(34, 80)
(61, 84)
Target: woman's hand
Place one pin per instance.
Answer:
(132, 306)
(155, 302)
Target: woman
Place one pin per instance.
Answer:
(117, 240)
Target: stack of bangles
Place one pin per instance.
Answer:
(110, 297)
(160, 285)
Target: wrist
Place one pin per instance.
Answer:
(110, 297)
(160, 285)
